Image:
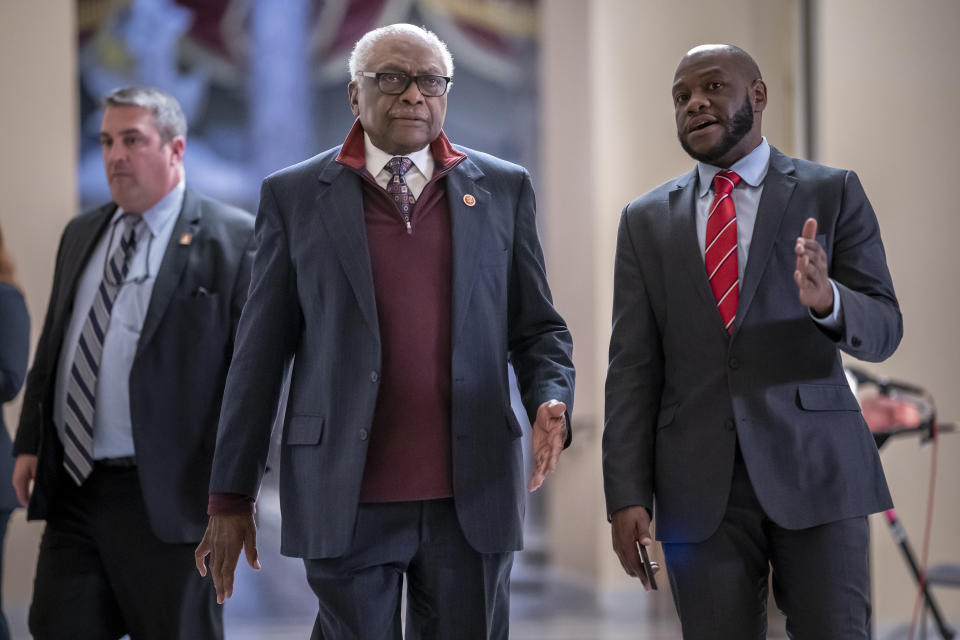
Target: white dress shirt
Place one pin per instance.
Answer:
(752, 169)
(416, 177)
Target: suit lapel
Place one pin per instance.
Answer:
(75, 258)
(78, 254)
(683, 213)
(467, 223)
(171, 267)
(778, 188)
(340, 204)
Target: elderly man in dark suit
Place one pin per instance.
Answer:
(727, 410)
(120, 411)
(401, 273)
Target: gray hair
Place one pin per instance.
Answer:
(361, 51)
(168, 117)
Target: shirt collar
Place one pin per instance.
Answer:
(353, 152)
(157, 216)
(752, 168)
(376, 158)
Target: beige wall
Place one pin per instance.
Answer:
(37, 183)
(889, 87)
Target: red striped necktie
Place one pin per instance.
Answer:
(720, 255)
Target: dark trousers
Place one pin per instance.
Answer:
(821, 575)
(102, 573)
(4, 519)
(453, 591)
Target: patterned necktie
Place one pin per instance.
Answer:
(82, 380)
(720, 255)
(397, 187)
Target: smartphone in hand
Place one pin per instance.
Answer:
(648, 567)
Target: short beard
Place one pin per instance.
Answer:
(736, 129)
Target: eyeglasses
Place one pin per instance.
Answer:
(394, 83)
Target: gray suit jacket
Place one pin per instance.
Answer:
(681, 392)
(178, 372)
(312, 299)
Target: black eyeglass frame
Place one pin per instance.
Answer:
(378, 76)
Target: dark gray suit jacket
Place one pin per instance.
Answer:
(681, 392)
(312, 298)
(178, 372)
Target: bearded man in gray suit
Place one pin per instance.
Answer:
(728, 414)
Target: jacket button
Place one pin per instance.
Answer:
(363, 434)
(730, 425)
(374, 376)
(734, 363)
(855, 341)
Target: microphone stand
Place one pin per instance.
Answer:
(928, 430)
(900, 537)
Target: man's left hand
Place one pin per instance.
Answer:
(549, 434)
(813, 283)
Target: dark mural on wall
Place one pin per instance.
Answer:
(263, 82)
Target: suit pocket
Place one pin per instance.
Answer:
(304, 429)
(666, 415)
(197, 310)
(496, 259)
(826, 397)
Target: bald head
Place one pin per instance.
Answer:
(718, 99)
(735, 59)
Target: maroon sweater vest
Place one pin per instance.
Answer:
(409, 452)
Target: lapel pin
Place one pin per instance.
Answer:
(186, 238)
(469, 200)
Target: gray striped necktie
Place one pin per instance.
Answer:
(82, 381)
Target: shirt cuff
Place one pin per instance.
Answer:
(834, 321)
(230, 504)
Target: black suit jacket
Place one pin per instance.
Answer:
(681, 392)
(178, 373)
(312, 298)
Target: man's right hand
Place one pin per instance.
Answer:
(222, 541)
(24, 471)
(631, 526)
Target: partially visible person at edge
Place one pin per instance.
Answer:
(728, 414)
(14, 350)
(401, 273)
(120, 411)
